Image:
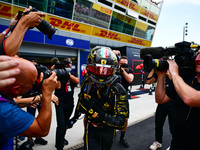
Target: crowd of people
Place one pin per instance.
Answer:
(103, 97)
(82, 9)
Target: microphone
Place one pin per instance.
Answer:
(156, 52)
(54, 60)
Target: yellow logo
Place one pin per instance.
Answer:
(91, 111)
(106, 104)
(103, 62)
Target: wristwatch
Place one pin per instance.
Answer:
(4, 32)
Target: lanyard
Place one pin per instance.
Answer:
(5, 98)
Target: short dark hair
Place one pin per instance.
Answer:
(124, 57)
(67, 61)
(32, 59)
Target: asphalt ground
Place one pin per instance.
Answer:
(141, 135)
(140, 132)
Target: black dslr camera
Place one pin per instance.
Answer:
(184, 57)
(60, 70)
(44, 27)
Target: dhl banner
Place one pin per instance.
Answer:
(147, 13)
(103, 33)
(102, 9)
(125, 19)
(8, 12)
(153, 16)
(130, 4)
(134, 6)
(122, 2)
(136, 41)
(69, 25)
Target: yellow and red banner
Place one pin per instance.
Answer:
(122, 2)
(8, 12)
(123, 18)
(102, 9)
(69, 25)
(134, 6)
(131, 5)
(149, 14)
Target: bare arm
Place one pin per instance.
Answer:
(41, 124)
(189, 95)
(28, 100)
(12, 23)
(150, 78)
(160, 93)
(13, 42)
(74, 79)
(2, 35)
(128, 76)
(24, 102)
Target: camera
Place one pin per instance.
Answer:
(118, 70)
(124, 65)
(44, 27)
(119, 57)
(183, 54)
(62, 73)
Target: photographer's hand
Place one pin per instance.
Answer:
(55, 99)
(116, 52)
(173, 68)
(14, 41)
(128, 76)
(14, 20)
(7, 70)
(160, 93)
(49, 84)
(32, 19)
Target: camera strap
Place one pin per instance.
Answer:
(5, 98)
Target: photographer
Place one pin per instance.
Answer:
(35, 91)
(162, 112)
(15, 121)
(187, 96)
(127, 77)
(11, 42)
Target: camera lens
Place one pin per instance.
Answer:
(46, 28)
(63, 74)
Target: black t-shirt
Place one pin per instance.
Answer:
(187, 131)
(123, 80)
(35, 90)
(66, 93)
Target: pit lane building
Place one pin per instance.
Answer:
(126, 25)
